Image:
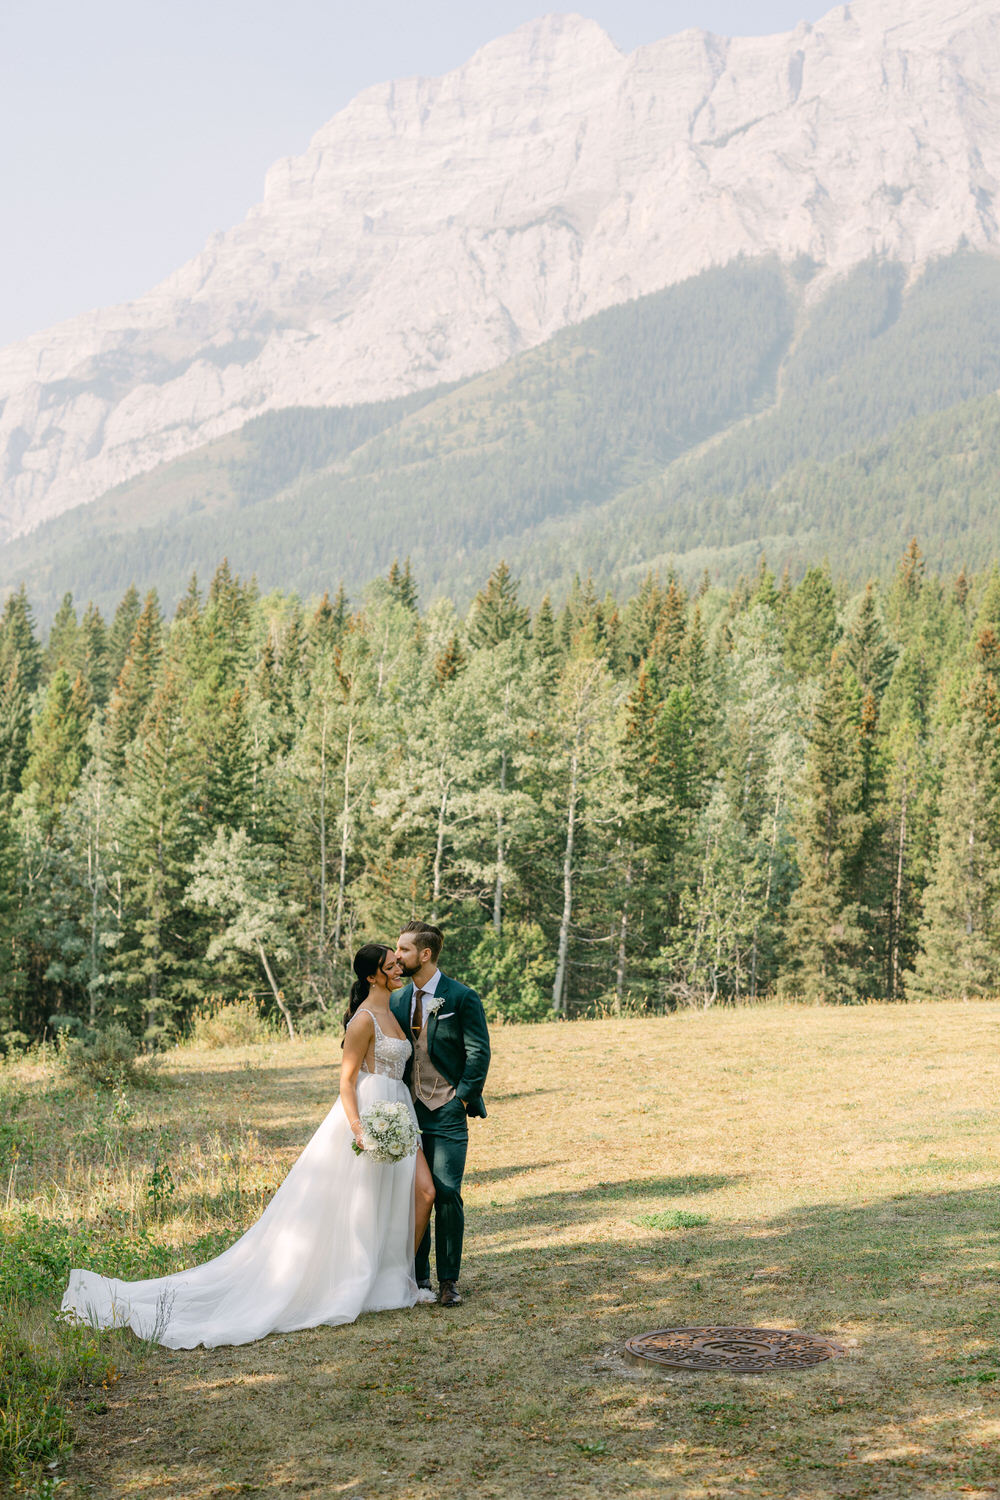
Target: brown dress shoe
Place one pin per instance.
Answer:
(449, 1295)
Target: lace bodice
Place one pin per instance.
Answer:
(392, 1053)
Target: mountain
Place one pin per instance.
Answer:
(692, 428)
(437, 228)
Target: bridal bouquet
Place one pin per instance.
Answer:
(388, 1131)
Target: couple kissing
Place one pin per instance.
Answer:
(349, 1229)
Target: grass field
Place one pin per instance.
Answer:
(837, 1171)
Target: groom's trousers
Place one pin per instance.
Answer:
(445, 1139)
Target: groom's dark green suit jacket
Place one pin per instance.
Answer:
(458, 1042)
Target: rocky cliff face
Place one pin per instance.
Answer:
(435, 227)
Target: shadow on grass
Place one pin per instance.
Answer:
(580, 1205)
(906, 1262)
(523, 1094)
(550, 1314)
(480, 1177)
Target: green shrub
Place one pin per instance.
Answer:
(514, 973)
(34, 1427)
(36, 1256)
(103, 1058)
(236, 1023)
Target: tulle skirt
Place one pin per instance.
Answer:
(336, 1240)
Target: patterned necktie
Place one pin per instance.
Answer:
(418, 1011)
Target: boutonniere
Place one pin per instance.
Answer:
(432, 1004)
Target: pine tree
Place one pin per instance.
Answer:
(646, 840)
(325, 628)
(137, 679)
(671, 631)
(810, 620)
(402, 586)
(961, 589)
(122, 630)
(57, 746)
(291, 660)
(764, 591)
(15, 728)
(907, 588)
(825, 936)
(20, 672)
(960, 933)
(189, 606)
(543, 633)
(581, 623)
(15, 921)
(221, 765)
(154, 969)
(450, 662)
(95, 656)
(63, 649)
(496, 614)
(866, 647)
(642, 618)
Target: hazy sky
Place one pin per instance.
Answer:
(135, 128)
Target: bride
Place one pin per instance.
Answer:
(339, 1235)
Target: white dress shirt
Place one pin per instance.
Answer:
(429, 989)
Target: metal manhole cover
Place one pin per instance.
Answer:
(742, 1350)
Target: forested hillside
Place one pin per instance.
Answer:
(691, 428)
(669, 799)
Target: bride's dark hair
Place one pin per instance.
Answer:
(368, 960)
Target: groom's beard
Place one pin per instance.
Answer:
(408, 969)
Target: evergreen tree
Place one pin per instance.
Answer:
(137, 680)
(18, 642)
(95, 656)
(543, 633)
(402, 586)
(810, 620)
(867, 649)
(496, 615)
(16, 1019)
(122, 630)
(641, 619)
(671, 632)
(153, 969)
(960, 933)
(57, 747)
(15, 729)
(450, 662)
(189, 606)
(326, 628)
(581, 623)
(20, 672)
(825, 936)
(63, 649)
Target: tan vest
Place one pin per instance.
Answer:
(429, 1086)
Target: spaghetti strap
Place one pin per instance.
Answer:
(371, 1013)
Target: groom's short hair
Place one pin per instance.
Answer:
(427, 936)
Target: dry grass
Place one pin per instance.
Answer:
(847, 1163)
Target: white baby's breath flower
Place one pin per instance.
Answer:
(431, 1005)
(388, 1132)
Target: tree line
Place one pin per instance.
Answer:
(680, 799)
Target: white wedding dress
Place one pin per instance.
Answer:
(336, 1240)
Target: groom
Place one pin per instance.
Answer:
(445, 1023)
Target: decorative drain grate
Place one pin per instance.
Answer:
(743, 1350)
